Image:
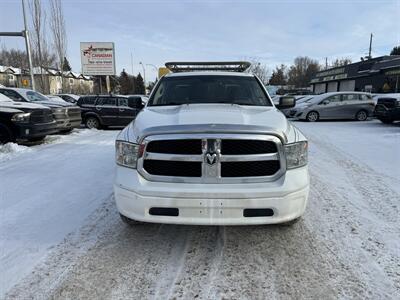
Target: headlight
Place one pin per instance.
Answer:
(126, 154)
(21, 118)
(58, 110)
(296, 154)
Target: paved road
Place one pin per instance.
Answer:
(346, 246)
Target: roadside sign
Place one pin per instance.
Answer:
(162, 71)
(97, 58)
(25, 82)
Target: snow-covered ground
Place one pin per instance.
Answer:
(61, 236)
(46, 191)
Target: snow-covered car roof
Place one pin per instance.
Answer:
(392, 95)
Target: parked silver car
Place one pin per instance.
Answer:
(336, 105)
(299, 99)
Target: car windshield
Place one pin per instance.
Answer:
(241, 90)
(35, 96)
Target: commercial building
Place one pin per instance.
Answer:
(376, 75)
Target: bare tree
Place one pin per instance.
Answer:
(340, 62)
(43, 56)
(260, 70)
(57, 24)
(302, 71)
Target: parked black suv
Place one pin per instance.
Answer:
(109, 110)
(67, 115)
(24, 121)
(387, 109)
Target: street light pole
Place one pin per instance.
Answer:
(155, 68)
(28, 47)
(144, 76)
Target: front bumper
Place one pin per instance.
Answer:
(212, 204)
(27, 131)
(67, 123)
(381, 112)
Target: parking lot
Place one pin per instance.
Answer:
(64, 238)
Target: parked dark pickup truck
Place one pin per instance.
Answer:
(387, 109)
(104, 110)
(67, 115)
(24, 121)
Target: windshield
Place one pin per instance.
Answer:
(239, 90)
(35, 96)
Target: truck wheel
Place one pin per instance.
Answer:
(92, 123)
(6, 135)
(386, 121)
(362, 115)
(130, 222)
(312, 116)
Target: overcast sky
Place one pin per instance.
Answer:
(272, 32)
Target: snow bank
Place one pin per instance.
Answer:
(9, 150)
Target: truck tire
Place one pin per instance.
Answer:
(361, 115)
(92, 122)
(6, 135)
(312, 116)
(129, 221)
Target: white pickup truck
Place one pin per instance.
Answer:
(210, 148)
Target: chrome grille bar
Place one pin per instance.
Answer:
(211, 159)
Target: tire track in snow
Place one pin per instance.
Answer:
(367, 182)
(176, 258)
(365, 240)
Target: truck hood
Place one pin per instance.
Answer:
(55, 103)
(206, 117)
(22, 105)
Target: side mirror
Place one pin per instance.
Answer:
(286, 102)
(137, 103)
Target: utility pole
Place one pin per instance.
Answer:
(28, 47)
(326, 63)
(370, 47)
(24, 34)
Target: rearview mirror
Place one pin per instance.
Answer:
(286, 102)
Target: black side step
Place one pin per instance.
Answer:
(164, 211)
(258, 212)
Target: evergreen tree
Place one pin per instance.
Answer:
(125, 83)
(66, 66)
(278, 76)
(139, 85)
(395, 51)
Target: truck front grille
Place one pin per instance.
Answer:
(387, 102)
(175, 146)
(173, 168)
(41, 116)
(249, 168)
(212, 159)
(74, 113)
